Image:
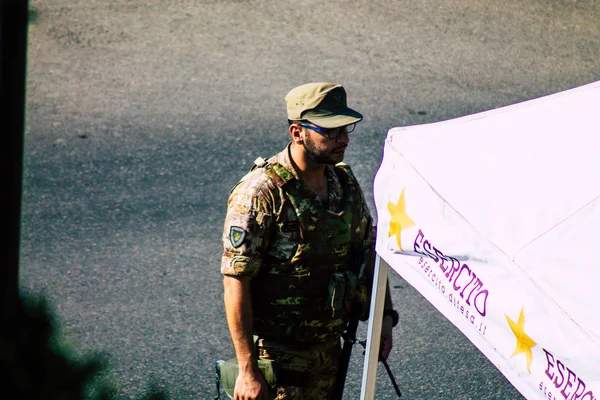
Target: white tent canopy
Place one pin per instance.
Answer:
(495, 219)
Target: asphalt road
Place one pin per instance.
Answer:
(142, 115)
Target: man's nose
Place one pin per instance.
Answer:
(344, 138)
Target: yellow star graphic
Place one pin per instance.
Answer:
(400, 220)
(524, 342)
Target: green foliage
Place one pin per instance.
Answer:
(37, 363)
(33, 15)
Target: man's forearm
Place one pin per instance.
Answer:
(388, 298)
(238, 308)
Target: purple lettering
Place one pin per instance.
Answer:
(561, 369)
(427, 248)
(465, 266)
(442, 259)
(550, 364)
(577, 394)
(419, 239)
(472, 275)
(453, 268)
(477, 305)
(478, 285)
(468, 285)
(569, 384)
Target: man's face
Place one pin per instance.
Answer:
(323, 150)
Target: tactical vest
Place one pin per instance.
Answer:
(302, 300)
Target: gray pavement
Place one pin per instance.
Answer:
(142, 115)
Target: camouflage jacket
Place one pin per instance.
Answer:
(304, 256)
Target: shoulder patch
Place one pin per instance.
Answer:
(236, 236)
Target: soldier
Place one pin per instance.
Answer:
(297, 236)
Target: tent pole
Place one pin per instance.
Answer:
(367, 391)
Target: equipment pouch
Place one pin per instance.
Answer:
(337, 292)
(227, 373)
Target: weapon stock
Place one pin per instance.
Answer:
(349, 336)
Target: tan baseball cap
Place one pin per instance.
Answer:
(321, 103)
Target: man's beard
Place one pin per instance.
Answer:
(320, 156)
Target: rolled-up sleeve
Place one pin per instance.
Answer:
(244, 231)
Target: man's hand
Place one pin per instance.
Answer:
(250, 383)
(250, 386)
(386, 344)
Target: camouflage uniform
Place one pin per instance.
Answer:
(304, 259)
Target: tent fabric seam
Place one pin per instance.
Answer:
(510, 259)
(588, 204)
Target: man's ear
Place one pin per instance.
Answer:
(296, 134)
